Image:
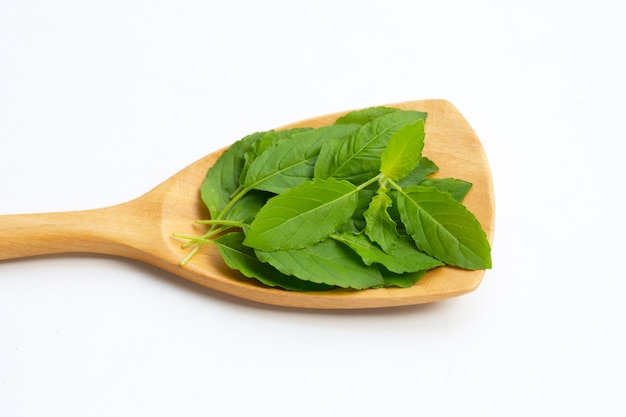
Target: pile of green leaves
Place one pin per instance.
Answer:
(350, 205)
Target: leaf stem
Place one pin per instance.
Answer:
(205, 238)
(231, 223)
(394, 185)
(190, 254)
(370, 182)
(232, 202)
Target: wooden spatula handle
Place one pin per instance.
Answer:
(24, 235)
(113, 230)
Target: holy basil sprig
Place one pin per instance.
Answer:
(350, 205)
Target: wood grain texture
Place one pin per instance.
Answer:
(142, 228)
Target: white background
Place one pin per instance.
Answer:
(100, 101)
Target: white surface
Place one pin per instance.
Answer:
(100, 101)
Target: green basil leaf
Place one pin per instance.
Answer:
(242, 258)
(271, 138)
(364, 116)
(326, 262)
(443, 228)
(290, 162)
(379, 226)
(302, 215)
(423, 170)
(401, 280)
(403, 153)
(358, 159)
(246, 209)
(458, 189)
(365, 197)
(222, 179)
(403, 257)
